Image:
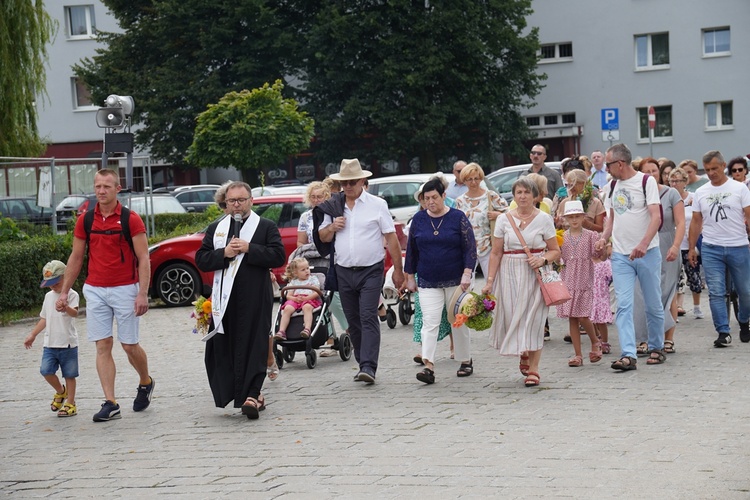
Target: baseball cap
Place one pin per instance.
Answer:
(52, 273)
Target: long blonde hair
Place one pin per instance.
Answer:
(292, 267)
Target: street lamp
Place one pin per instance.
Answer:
(114, 116)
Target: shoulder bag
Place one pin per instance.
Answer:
(553, 288)
(490, 208)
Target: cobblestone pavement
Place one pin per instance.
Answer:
(677, 430)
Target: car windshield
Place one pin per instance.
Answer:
(71, 203)
(160, 205)
(283, 213)
(396, 194)
(503, 182)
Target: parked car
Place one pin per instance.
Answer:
(398, 191)
(157, 203)
(502, 180)
(24, 208)
(177, 281)
(196, 198)
(277, 190)
(75, 205)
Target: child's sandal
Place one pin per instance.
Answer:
(305, 333)
(68, 410)
(58, 400)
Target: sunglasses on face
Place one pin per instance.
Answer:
(349, 183)
(738, 170)
(537, 153)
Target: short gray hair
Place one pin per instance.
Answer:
(621, 152)
(711, 155)
(527, 183)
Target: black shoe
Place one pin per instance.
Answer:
(723, 340)
(109, 411)
(383, 317)
(427, 376)
(567, 339)
(143, 398)
(745, 332)
(366, 377)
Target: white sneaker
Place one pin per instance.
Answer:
(698, 313)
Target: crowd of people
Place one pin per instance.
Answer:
(627, 236)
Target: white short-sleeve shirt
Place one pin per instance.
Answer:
(632, 216)
(722, 208)
(60, 330)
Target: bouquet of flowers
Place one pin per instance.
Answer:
(476, 312)
(202, 315)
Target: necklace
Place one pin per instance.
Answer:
(435, 230)
(524, 220)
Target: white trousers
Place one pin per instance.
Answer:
(432, 301)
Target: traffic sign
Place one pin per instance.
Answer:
(610, 119)
(610, 135)
(651, 117)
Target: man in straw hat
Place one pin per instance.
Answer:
(351, 225)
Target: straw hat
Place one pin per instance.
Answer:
(456, 302)
(350, 170)
(573, 207)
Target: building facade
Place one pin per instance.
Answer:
(684, 58)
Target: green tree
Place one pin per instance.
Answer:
(177, 56)
(429, 78)
(249, 130)
(25, 31)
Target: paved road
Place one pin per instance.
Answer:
(679, 430)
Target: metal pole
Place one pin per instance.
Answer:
(53, 222)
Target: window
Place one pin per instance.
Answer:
(80, 21)
(663, 128)
(551, 120)
(718, 115)
(81, 95)
(716, 42)
(556, 52)
(652, 51)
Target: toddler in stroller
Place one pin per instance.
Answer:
(304, 319)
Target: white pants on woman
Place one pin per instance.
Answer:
(432, 301)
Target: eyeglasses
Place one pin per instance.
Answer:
(473, 179)
(537, 153)
(677, 180)
(237, 201)
(610, 163)
(738, 170)
(349, 183)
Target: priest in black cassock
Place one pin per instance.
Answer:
(240, 248)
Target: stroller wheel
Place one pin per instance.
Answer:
(404, 311)
(279, 358)
(312, 359)
(288, 354)
(345, 347)
(390, 318)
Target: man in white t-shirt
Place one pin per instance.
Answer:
(634, 216)
(721, 209)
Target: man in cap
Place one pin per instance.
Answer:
(352, 225)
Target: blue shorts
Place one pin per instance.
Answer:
(103, 304)
(64, 357)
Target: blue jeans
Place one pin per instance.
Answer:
(648, 271)
(717, 260)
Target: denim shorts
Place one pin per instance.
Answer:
(105, 304)
(64, 357)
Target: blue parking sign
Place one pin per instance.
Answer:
(610, 119)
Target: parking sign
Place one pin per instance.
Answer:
(610, 119)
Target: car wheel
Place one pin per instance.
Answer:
(178, 285)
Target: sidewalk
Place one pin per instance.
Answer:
(677, 430)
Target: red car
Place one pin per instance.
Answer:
(177, 281)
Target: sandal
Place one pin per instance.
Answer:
(642, 349)
(575, 362)
(272, 372)
(466, 369)
(606, 348)
(596, 353)
(427, 376)
(523, 365)
(261, 402)
(656, 357)
(58, 400)
(669, 347)
(280, 335)
(625, 363)
(680, 311)
(68, 410)
(418, 359)
(532, 380)
(305, 333)
(250, 408)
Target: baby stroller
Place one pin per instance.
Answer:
(393, 298)
(322, 329)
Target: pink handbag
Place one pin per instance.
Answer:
(554, 291)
